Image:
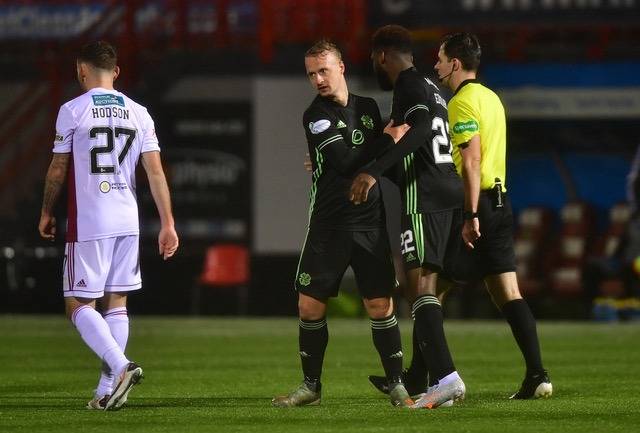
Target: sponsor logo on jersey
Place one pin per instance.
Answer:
(106, 186)
(108, 100)
(357, 137)
(319, 126)
(367, 121)
(59, 137)
(341, 124)
(304, 279)
(468, 126)
(81, 283)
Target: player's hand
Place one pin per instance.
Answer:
(396, 132)
(47, 227)
(470, 232)
(307, 163)
(167, 242)
(360, 188)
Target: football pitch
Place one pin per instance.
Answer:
(220, 374)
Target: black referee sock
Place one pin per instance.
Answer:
(523, 326)
(313, 338)
(386, 339)
(430, 331)
(417, 369)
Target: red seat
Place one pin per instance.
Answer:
(225, 268)
(225, 265)
(534, 224)
(578, 220)
(607, 246)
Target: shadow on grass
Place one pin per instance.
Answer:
(73, 403)
(203, 402)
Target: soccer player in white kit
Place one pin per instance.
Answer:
(100, 136)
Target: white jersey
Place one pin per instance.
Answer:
(105, 132)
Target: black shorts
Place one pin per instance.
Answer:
(327, 254)
(434, 240)
(494, 249)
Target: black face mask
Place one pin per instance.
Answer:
(383, 78)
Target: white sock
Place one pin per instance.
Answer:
(95, 333)
(449, 378)
(105, 384)
(118, 322)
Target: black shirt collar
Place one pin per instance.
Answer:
(331, 103)
(464, 83)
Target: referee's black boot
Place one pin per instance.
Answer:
(536, 385)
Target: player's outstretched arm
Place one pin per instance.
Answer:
(167, 238)
(52, 186)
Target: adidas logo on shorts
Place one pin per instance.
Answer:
(81, 283)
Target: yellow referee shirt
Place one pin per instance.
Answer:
(475, 109)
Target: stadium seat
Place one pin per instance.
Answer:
(531, 237)
(608, 244)
(572, 247)
(225, 269)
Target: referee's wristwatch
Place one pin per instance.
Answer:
(468, 215)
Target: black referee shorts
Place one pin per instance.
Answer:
(327, 254)
(434, 240)
(494, 249)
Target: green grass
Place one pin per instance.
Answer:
(220, 374)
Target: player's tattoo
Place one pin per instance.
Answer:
(54, 181)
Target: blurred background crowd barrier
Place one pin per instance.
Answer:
(224, 81)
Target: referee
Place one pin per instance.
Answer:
(478, 131)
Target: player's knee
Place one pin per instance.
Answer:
(72, 304)
(378, 308)
(503, 288)
(70, 309)
(113, 300)
(310, 310)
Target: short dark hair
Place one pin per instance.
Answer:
(392, 37)
(100, 54)
(464, 47)
(321, 46)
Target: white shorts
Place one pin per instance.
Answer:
(92, 268)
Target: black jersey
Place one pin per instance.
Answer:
(342, 140)
(424, 168)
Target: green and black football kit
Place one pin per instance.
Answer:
(432, 192)
(341, 141)
(432, 200)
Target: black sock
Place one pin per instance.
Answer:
(313, 339)
(433, 343)
(523, 326)
(417, 369)
(386, 339)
